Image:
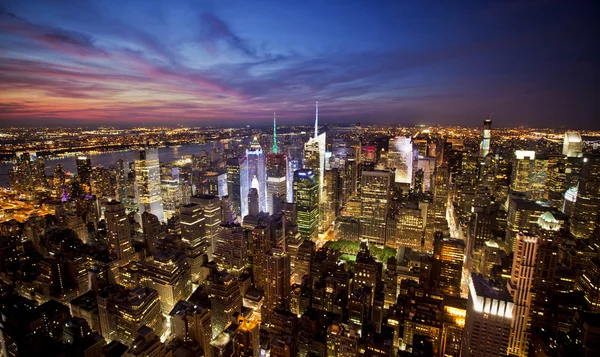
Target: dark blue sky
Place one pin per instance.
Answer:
(218, 62)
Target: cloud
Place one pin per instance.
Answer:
(213, 30)
(65, 41)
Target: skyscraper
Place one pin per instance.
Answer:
(401, 157)
(277, 282)
(226, 300)
(374, 197)
(122, 175)
(118, 231)
(523, 169)
(147, 182)
(584, 220)
(448, 257)
(572, 144)
(314, 159)
(256, 169)
(488, 320)
(487, 136)
(306, 197)
(84, 170)
(520, 287)
(211, 208)
(276, 179)
(193, 233)
(238, 185)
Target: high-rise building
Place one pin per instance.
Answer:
(118, 231)
(153, 231)
(488, 320)
(257, 170)
(400, 157)
(277, 282)
(238, 185)
(448, 257)
(191, 323)
(276, 180)
(122, 312)
(168, 273)
(193, 233)
(122, 174)
(211, 208)
(306, 197)
(147, 182)
(523, 169)
(584, 219)
(374, 196)
(520, 287)
(589, 283)
(225, 298)
(84, 170)
(572, 144)
(230, 250)
(487, 137)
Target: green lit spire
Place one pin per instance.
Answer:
(274, 134)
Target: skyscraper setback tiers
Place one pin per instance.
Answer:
(308, 241)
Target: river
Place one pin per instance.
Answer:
(110, 158)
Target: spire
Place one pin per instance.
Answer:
(274, 134)
(317, 120)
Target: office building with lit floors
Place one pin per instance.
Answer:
(122, 312)
(374, 197)
(277, 282)
(168, 273)
(488, 320)
(118, 231)
(193, 234)
(211, 208)
(306, 197)
(589, 283)
(225, 299)
(584, 220)
(147, 183)
(520, 286)
(448, 258)
(84, 171)
(276, 179)
(191, 323)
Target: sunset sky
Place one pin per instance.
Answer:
(133, 62)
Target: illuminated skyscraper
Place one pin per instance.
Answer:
(225, 298)
(520, 287)
(118, 231)
(487, 136)
(84, 170)
(522, 172)
(488, 320)
(374, 197)
(448, 257)
(211, 208)
(314, 159)
(168, 273)
(572, 144)
(306, 197)
(122, 174)
(256, 169)
(589, 283)
(190, 322)
(238, 185)
(401, 157)
(276, 179)
(277, 282)
(584, 220)
(147, 182)
(193, 233)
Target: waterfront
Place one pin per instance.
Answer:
(109, 159)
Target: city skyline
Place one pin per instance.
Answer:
(91, 63)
